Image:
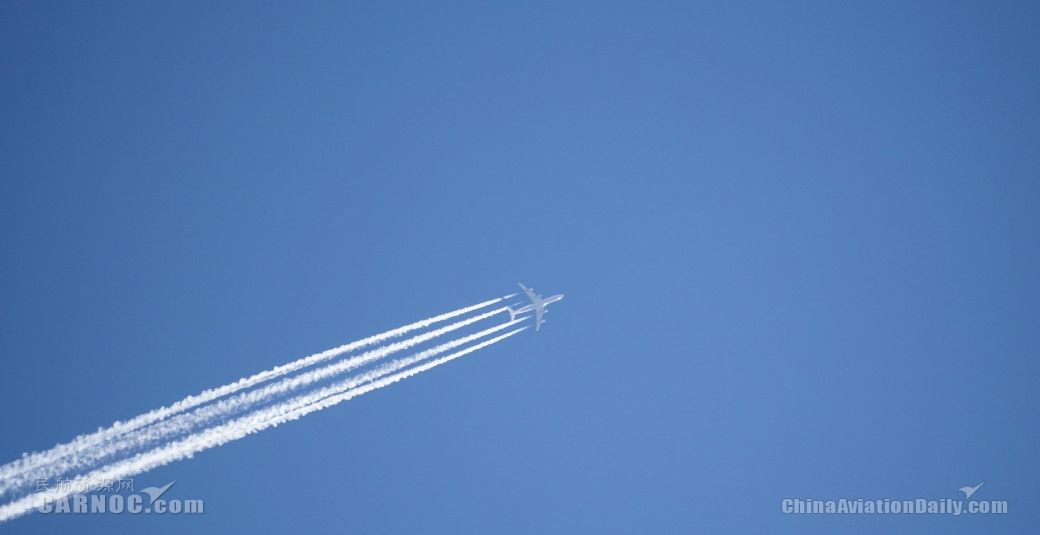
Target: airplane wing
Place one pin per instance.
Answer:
(530, 293)
(538, 321)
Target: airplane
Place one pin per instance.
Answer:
(537, 305)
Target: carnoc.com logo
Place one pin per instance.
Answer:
(887, 506)
(148, 500)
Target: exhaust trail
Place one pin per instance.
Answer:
(257, 421)
(30, 461)
(190, 421)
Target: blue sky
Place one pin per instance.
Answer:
(798, 244)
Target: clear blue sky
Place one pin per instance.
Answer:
(798, 242)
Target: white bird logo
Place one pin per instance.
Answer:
(154, 492)
(968, 491)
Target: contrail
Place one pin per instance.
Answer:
(28, 462)
(189, 421)
(222, 434)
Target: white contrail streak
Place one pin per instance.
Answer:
(190, 421)
(28, 462)
(222, 434)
